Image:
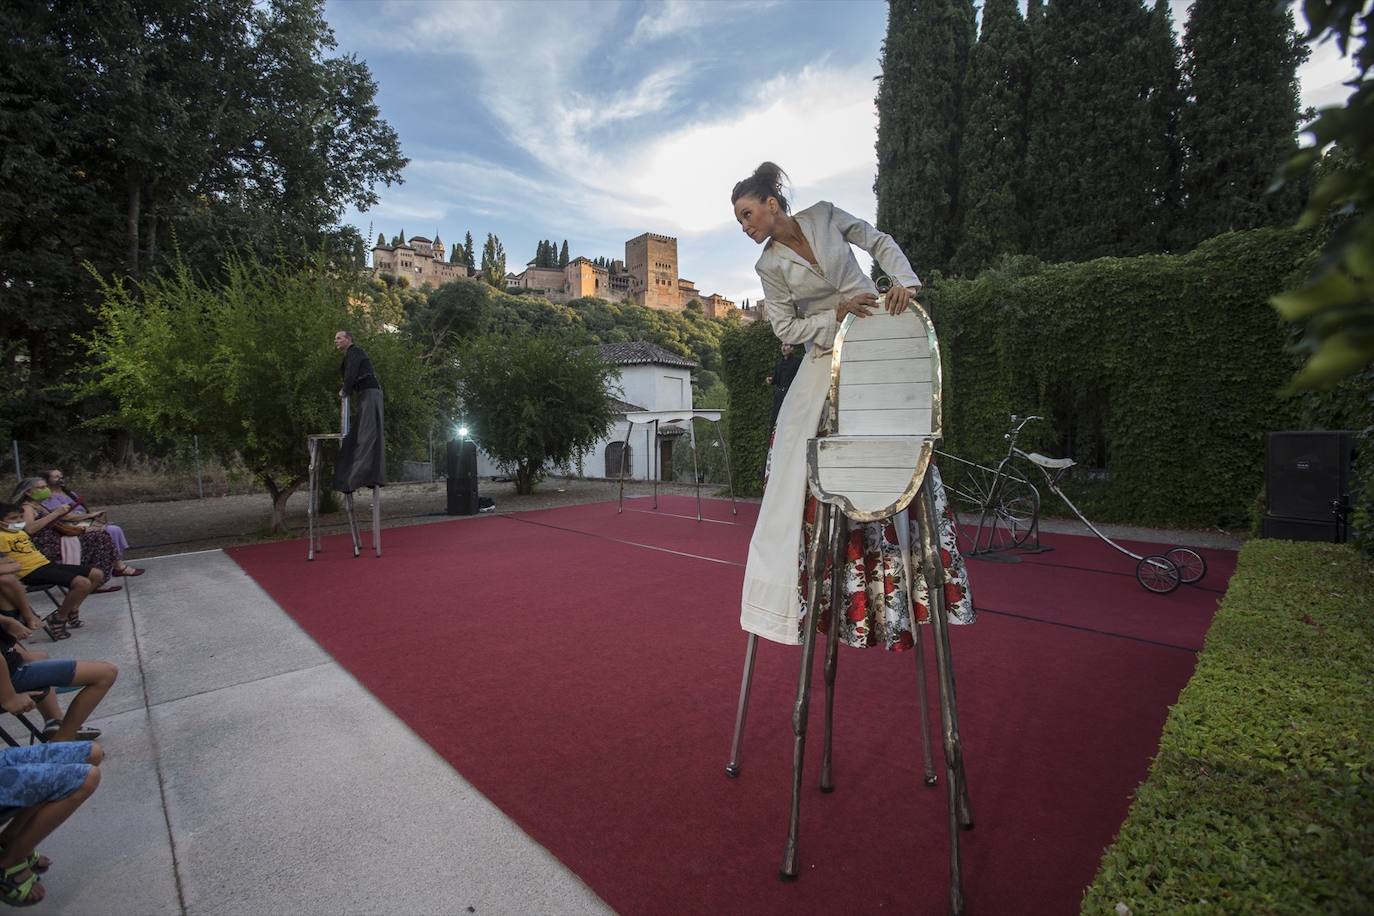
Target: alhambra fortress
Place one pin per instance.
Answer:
(648, 275)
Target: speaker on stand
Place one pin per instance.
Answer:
(1308, 476)
(462, 477)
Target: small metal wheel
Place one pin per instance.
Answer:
(1158, 574)
(1191, 566)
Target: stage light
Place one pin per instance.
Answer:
(462, 432)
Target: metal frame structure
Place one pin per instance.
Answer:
(313, 535)
(836, 509)
(653, 461)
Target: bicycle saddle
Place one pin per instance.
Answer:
(1054, 464)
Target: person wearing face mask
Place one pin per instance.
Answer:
(36, 569)
(48, 528)
(811, 282)
(61, 494)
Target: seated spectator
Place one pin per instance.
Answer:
(36, 569)
(49, 527)
(31, 672)
(40, 787)
(63, 495)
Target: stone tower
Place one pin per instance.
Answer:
(651, 261)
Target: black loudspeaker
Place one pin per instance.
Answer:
(462, 477)
(1307, 481)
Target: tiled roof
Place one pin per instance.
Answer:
(620, 406)
(641, 352)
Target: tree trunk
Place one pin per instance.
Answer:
(151, 220)
(131, 227)
(280, 495)
(524, 479)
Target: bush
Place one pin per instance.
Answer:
(1261, 799)
(748, 353)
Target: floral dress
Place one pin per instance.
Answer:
(97, 548)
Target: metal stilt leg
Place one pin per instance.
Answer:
(696, 475)
(624, 453)
(960, 814)
(737, 745)
(377, 520)
(832, 645)
(310, 506)
(729, 475)
(823, 533)
(903, 522)
(656, 462)
(353, 526)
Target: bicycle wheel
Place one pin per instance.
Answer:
(1157, 574)
(996, 512)
(1191, 566)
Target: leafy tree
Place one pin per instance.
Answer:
(469, 253)
(920, 112)
(246, 362)
(1336, 305)
(1240, 127)
(993, 151)
(1166, 103)
(534, 402)
(494, 262)
(1095, 156)
(563, 254)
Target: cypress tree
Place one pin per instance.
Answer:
(993, 149)
(1240, 59)
(402, 236)
(1165, 78)
(469, 256)
(1093, 154)
(563, 255)
(919, 103)
(381, 240)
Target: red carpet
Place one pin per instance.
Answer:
(587, 686)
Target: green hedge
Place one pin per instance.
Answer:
(1163, 370)
(748, 354)
(1261, 799)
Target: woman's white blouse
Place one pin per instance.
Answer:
(800, 299)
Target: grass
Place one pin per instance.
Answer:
(1261, 799)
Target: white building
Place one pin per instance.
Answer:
(651, 378)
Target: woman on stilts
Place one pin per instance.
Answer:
(811, 281)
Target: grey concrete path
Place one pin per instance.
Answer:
(247, 772)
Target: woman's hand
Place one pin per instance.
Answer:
(860, 306)
(898, 298)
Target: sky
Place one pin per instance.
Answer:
(597, 120)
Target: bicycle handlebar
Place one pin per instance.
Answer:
(1015, 431)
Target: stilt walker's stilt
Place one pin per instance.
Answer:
(353, 526)
(960, 814)
(903, 522)
(310, 506)
(823, 533)
(729, 476)
(377, 520)
(832, 645)
(737, 746)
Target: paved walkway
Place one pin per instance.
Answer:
(247, 772)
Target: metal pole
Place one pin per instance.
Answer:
(200, 483)
(18, 474)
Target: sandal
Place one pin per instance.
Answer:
(15, 892)
(105, 590)
(84, 733)
(128, 571)
(38, 863)
(55, 627)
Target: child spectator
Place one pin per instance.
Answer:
(40, 787)
(36, 569)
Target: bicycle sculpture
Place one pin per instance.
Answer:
(869, 462)
(1008, 508)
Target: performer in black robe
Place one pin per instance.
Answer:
(362, 456)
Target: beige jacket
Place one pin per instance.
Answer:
(800, 299)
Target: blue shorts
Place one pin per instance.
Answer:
(41, 773)
(49, 672)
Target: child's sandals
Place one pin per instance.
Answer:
(14, 892)
(55, 627)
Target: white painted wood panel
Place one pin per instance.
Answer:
(868, 451)
(880, 324)
(883, 371)
(848, 480)
(886, 395)
(884, 422)
(886, 348)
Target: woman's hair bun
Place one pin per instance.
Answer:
(766, 182)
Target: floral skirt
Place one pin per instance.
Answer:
(97, 549)
(876, 608)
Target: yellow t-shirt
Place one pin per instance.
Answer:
(19, 546)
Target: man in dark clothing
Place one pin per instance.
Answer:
(362, 455)
(781, 379)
